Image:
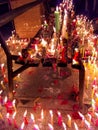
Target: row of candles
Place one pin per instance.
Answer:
(87, 121)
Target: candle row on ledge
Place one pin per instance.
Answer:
(88, 120)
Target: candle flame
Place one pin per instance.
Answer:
(5, 99)
(96, 114)
(54, 29)
(32, 117)
(14, 101)
(57, 9)
(36, 127)
(51, 113)
(69, 117)
(1, 92)
(42, 114)
(7, 115)
(2, 82)
(50, 126)
(14, 114)
(2, 65)
(87, 123)
(76, 127)
(19, 53)
(25, 113)
(59, 114)
(22, 126)
(81, 115)
(64, 125)
(43, 43)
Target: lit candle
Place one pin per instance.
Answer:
(36, 48)
(36, 127)
(14, 121)
(51, 116)
(42, 115)
(69, 121)
(64, 125)
(2, 84)
(88, 125)
(57, 20)
(2, 68)
(5, 100)
(20, 56)
(14, 106)
(76, 127)
(50, 127)
(89, 118)
(32, 118)
(82, 116)
(59, 118)
(8, 118)
(5, 78)
(22, 126)
(43, 43)
(25, 117)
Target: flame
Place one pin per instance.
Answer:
(2, 65)
(14, 114)
(1, 92)
(81, 115)
(42, 114)
(64, 125)
(22, 126)
(43, 43)
(19, 53)
(51, 113)
(76, 127)
(32, 117)
(7, 115)
(5, 99)
(50, 126)
(36, 127)
(25, 113)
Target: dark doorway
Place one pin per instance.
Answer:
(6, 30)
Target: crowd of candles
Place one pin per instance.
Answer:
(81, 32)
